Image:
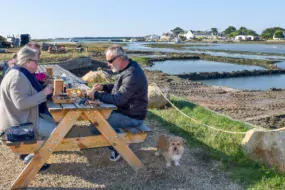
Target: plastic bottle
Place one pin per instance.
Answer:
(63, 77)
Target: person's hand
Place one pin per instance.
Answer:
(48, 89)
(97, 87)
(90, 94)
(49, 81)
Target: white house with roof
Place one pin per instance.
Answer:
(204, 34)
(244, 37)
(240, 37)
(199, 34)
(188, 35)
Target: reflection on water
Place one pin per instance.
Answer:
(250, 83)
(187, 66)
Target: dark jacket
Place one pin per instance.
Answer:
(129, 93)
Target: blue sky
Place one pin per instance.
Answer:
(97, 18)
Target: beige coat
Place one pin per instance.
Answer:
(18, 101)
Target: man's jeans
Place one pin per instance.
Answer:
(117, 121)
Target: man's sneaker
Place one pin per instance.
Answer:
(115, 156)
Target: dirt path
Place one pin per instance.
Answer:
(92, 169)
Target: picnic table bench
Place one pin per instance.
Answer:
(66, 115)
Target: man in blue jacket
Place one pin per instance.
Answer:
(128, 93)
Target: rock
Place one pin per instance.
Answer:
(266, 147)
(155, 98)
(96, 77)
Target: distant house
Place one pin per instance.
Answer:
(152, 38)
(244, 37)
(199, 34)
(279, 38)
(240, 37)
(133, 40)
(203, 34)
(188, 35)
(166, 37)
(250, 37)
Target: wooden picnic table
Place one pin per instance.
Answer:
(67, 115)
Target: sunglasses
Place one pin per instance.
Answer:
(111, 60)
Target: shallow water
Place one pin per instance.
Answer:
(250, 83)
(187, 66)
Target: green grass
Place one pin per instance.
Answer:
(51, 58)
(5, 56)
(219, 146)
(92, 47)
(71, 52)
(141, 60)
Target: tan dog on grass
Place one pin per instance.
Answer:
(171, 147)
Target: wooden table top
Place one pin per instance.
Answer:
(75, 106)
(81, 84)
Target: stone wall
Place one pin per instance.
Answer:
(95, 64)
(81, 62)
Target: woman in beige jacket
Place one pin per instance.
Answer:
(19, 100)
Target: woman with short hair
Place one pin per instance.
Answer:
(22, 97)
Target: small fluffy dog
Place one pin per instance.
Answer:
(171, 147)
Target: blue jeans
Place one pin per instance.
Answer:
(117, 121)
(46, 126)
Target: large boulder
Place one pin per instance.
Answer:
(155, 98)
(96, 77)
(266, 147)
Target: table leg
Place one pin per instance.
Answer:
(95, 116)
(43, 154)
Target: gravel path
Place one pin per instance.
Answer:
(92, 169)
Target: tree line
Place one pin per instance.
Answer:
(231, 31)
(267, 34)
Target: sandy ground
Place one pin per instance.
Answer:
(92, 169)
